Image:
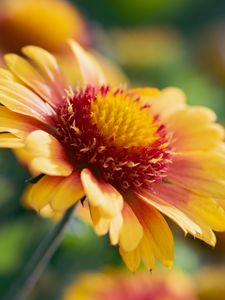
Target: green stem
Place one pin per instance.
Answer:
(33, 271)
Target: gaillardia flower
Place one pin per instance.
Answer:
(134, 153)
(119, 285)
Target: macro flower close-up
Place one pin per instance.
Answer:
(132, 156)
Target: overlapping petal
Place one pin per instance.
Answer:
(16, 124)
(101, 194)
(60, 192)
(20, 99)
(49, 156)
(8, 140)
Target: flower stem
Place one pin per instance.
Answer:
(35, 267)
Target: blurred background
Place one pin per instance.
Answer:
(147, 42)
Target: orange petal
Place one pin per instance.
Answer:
(17, 124)
(146, 249)
(101, 194)
(69, 191)
(29, 75)
(49, 156)
(8, 140)
(174, 202)
(20, 99)
(204, 211)
(200, 172)
(90, 69)
(189, 137)
(156, 228)
(160, 203)
(132, 259)
(59, 192)
(131, 231)
(40, 194)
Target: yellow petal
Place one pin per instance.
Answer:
(177, 204)
(90, 69)
(8, 140)
(160, 203)
(57, 191)
(17, 124)
(199, 172)
(40, 194)
(164, 102)
(7, 75)
(69, 191)
(132, 259)
(49, 68)
(131, 231)
(101, 194)
(19, 99)
(49, 156)
(209, 211)
(156, 228)
(115, 228)
(146, 249)
(189, 137)
(23, 70)
(101, 225)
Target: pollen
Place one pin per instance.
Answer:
(115, 135)
(123, 121)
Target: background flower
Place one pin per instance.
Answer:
(45, 23)
(117, 284)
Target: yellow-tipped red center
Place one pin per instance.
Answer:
(123, 121)
(115, 135)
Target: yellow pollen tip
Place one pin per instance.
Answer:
(123, 121)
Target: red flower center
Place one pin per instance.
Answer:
(115, 135)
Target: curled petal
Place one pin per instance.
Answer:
(57, 191)
(49, 156)
(101, 194)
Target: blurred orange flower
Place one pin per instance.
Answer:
(44, 23)
(121, 286)
(134, 153)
